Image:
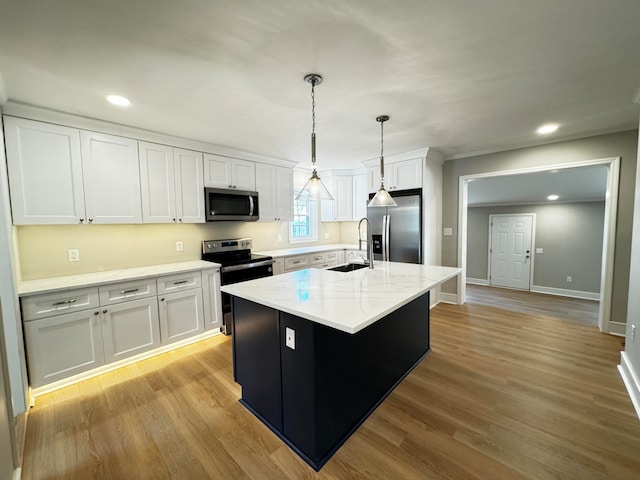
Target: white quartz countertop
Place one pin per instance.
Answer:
(347, 301)
(47, 285)
(287, 252)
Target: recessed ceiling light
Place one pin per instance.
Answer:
(547, 128)
(118, 100)
(553, 197)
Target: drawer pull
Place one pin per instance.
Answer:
(181, 282)
(123, 292)
(297, 261)
(65, 302)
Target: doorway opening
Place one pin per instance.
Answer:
(608, 239)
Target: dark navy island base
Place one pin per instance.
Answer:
(316, 396)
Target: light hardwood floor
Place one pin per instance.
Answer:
(565, 308)
(495, 399)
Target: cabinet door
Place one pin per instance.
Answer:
(212, 299)
(189, 183)
(373, 179)
(284, 194)
(407, 174)
(217, 171)
(342, 194)
(157, 183)
(278, 266)
(181, 315)
(130, 328)
(267, 192)
(360, 196)
(111, 178)
(243, 175)
(45, 172)
(62, 346)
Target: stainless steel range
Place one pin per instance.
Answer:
(238, 265)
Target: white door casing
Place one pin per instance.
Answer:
(510, 250)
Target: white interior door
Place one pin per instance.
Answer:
(510, 251)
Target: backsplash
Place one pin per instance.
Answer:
(43, 249)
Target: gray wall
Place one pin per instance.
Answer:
(632, 348)
(621, 144)
(570, 235)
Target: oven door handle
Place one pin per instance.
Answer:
(244, 266)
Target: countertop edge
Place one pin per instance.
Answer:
(292, 251)
(82, 280)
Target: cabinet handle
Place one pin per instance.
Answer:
(180, 282)
(297, 261)
(162, 299)
(123, 292)
(104, 311)
(174, 219)
(230, 186)
(65, 302)
(96, 312)
(180, 220)
(82, 220)
(90, 220)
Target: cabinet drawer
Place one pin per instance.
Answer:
(179, 281)
(41, 306)
(331, 256)
(316, 258)
(294, 263)
(122, 292)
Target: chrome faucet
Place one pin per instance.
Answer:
(369, 259)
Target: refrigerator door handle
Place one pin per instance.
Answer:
(386, 221)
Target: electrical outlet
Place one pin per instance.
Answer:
(569, 279)
(179, 246)
(279, 238)
(448, 231)
(326, 235)
(291, 338)
(539, 250)
(73, 255)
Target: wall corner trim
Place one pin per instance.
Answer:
(449, 298)
(631, 380)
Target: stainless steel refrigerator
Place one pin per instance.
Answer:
(397, 231)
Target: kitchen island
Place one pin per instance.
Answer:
(316, 351)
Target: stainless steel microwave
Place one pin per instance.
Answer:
(227, 204)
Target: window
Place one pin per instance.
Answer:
(304, 227)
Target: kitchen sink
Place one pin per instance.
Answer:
(348, 267)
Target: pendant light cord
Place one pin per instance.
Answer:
(382, 153)
(313, 124)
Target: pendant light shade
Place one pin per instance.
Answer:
(314, 188)
(382, 197)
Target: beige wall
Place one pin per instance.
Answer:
(621, 144)
(43, 249)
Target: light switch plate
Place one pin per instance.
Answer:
(448, 231)
(539, 250)
(290, 335)
(73, 255)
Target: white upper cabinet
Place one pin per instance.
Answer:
(225, 172)
(402, 175)
(157, 183)
(45, 172)
(171, 184)
(341, 207)
(275, 189)
(360, 196)
(111, 178)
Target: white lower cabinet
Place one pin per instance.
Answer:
(73, 331)
(130, 328)
(65, 345)
(181, 315)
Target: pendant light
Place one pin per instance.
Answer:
(314, 188)
(382, 197)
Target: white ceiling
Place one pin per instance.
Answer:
(570, 184)
(458, 76)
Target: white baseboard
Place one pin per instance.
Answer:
(631, 381)
(477, 281)
(17, 473)
(618, 328)
(563, 292)
(449, 298)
